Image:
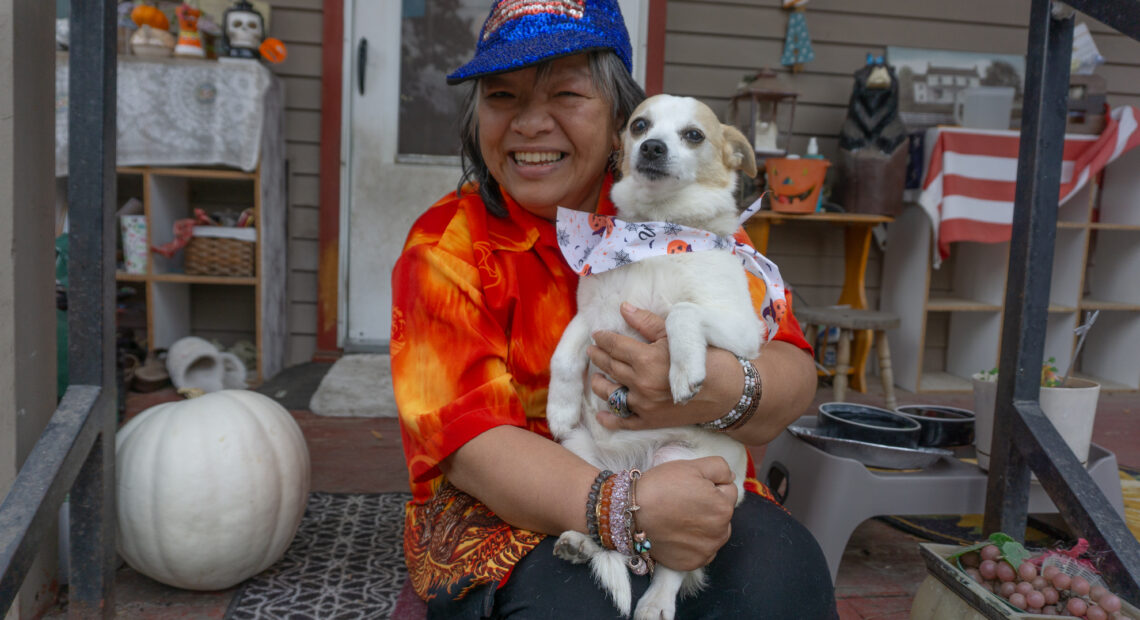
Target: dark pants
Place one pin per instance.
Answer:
(772, 567)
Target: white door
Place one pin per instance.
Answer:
(396, 162)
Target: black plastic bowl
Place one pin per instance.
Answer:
(868, 424)
(941, 426)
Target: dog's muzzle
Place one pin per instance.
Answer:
(653, 159)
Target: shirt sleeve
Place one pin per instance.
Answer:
(448, 354)
(789, 329)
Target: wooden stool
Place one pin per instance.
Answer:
(849, 320)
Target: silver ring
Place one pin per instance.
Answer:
(619, 404)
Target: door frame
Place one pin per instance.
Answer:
(336, 46)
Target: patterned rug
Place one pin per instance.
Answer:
(346, 562)
(967, 529)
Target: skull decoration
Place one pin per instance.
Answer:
(244, 31)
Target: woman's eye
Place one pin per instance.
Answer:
(692, 135)
(569, 93)
(639, 125)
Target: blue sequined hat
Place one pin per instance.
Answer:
(520, 33)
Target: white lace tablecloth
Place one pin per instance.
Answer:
(182, 112)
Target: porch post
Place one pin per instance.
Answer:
(91, 299)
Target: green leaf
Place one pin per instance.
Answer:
(1011, 550)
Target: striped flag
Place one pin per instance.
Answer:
(971, 176)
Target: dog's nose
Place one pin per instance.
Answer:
(653, 149)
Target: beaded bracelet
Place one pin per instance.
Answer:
(592, 502)
(619, 514)
(604, 513)
(747, 405)
(640, 562)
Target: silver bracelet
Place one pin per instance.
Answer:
(746, 407)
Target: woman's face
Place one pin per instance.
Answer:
(546, 139)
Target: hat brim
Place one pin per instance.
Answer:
(507, 56)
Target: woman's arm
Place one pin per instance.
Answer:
(787, 376)
(534, 483)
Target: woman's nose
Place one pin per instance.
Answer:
(533, 118)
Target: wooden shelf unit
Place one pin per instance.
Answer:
(214, 307)
(1095, 266)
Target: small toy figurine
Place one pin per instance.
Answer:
(189, 39)
(797, 43)
(243, 31)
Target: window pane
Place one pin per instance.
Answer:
(436, 37)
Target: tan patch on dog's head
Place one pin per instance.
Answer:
(735, 150)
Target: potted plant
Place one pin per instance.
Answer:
(1070, 404)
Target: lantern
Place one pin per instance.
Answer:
(763, 108)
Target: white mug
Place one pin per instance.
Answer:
(984, 107)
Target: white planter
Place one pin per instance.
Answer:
(1071, 409)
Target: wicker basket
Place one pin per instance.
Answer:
(219, 256)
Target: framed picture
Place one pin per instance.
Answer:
(930, 80)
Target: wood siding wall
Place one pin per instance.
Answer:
(710, 45)
(298, 24)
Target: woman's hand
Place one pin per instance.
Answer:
(787, 377)
(686, 510)
(643, 367)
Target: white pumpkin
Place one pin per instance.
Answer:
(210, 490)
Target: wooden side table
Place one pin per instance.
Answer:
(857, 246)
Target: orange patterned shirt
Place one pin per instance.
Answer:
(480, 303)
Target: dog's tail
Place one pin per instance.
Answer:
(613, 576)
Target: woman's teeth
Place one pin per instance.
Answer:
(531, 159)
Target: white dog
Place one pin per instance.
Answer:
(678, 168)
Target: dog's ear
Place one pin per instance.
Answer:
(738, 153)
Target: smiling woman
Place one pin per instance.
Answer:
(482, 294)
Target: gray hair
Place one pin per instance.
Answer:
(610, 77)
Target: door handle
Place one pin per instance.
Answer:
(361, 63)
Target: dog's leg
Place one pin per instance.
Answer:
(660, 601)
(692, 329)
(687, 348)
(567, 376)
(613, 575)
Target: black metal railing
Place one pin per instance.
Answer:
(1038, 445)
(76, 452)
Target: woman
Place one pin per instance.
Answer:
(482, 294)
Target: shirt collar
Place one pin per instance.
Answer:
(521, 230)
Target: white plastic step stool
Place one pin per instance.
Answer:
(832, 495)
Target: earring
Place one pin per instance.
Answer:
(614, 161)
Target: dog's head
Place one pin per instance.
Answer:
(679, 163)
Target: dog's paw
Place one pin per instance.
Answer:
(575, 547)
(655, 608)
(685, 382)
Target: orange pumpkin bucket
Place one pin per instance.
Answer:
(794, 184)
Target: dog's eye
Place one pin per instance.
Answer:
(692, 135)
(638, 126)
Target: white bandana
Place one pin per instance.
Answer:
(595, 243)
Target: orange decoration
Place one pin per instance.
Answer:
(146, 15)
(273, 50)
(794, 184)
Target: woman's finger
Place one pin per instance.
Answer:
(614, 368)
(651, 326)
(620, 347)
